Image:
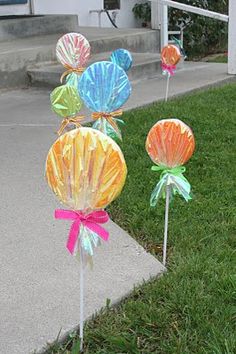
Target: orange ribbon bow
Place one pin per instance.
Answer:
(109, 118)
(71, 70)
(74, 120)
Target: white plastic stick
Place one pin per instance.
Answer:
(81, 327)
(167, 86)
(166, 224)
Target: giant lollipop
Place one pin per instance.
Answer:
(170, 56)
(86, 170)
(73, 52)
(104, 87)
(66, 103)
(170, 144)
(123, 58)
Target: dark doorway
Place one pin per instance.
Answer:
(13, 2)
(111, 4)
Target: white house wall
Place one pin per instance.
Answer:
(54, 7)
(125, 17)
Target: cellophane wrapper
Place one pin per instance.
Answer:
(86, 170)
(170, 143)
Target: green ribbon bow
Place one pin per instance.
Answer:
(174, 178)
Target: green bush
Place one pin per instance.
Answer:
(142, 11)
(202, 35)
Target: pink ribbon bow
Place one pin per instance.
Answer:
(91, 221)
(169, 68)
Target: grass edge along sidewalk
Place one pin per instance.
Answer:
(190, 309)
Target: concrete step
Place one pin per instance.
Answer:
(36, 26)
(145, 66)
(17, 55)
(139, 40)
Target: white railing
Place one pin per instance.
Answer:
(160, 20)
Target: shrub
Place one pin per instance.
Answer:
(202, 35)
(142, 11)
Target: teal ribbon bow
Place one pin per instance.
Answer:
(180, 44)
(174, 178)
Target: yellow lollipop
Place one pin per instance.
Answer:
(85, 169)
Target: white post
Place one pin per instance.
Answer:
(164, 25)
(81, 327)
(167, 87)
(156, 14)
(99, 19)
(166, 223)
(232, 38)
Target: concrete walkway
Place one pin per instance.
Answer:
(193, 76)
(39, 279)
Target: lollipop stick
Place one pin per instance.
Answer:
(166, 223)
(81, 327)
(167, 87)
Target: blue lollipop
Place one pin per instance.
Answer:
(123, 58)
(104, 87)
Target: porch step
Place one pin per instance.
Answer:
(139, 40)
(18, 54)
(36, 26)
(145, 66)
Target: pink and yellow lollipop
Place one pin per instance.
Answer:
(73, 52)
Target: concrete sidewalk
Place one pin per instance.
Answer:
(39, 279)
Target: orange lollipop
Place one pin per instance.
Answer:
(170, 54)
(170, 143)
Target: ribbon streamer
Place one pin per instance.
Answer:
(70, 71)
(180, 45)
(109, 118)
(174, 178)
(169, 68)
(74, 120)
(91, 221)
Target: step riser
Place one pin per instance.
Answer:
(36, 26)
(52, 79)
(138, 43)
(145, 71)
(13, 64)
(13, 69)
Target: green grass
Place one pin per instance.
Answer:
(218, 59)
(190, 309)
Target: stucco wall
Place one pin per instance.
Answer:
(125, 17)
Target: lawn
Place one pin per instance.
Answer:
(190, 309)
(218, 59)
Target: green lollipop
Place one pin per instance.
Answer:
(66, 103)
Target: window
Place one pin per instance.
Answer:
(111, 4)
